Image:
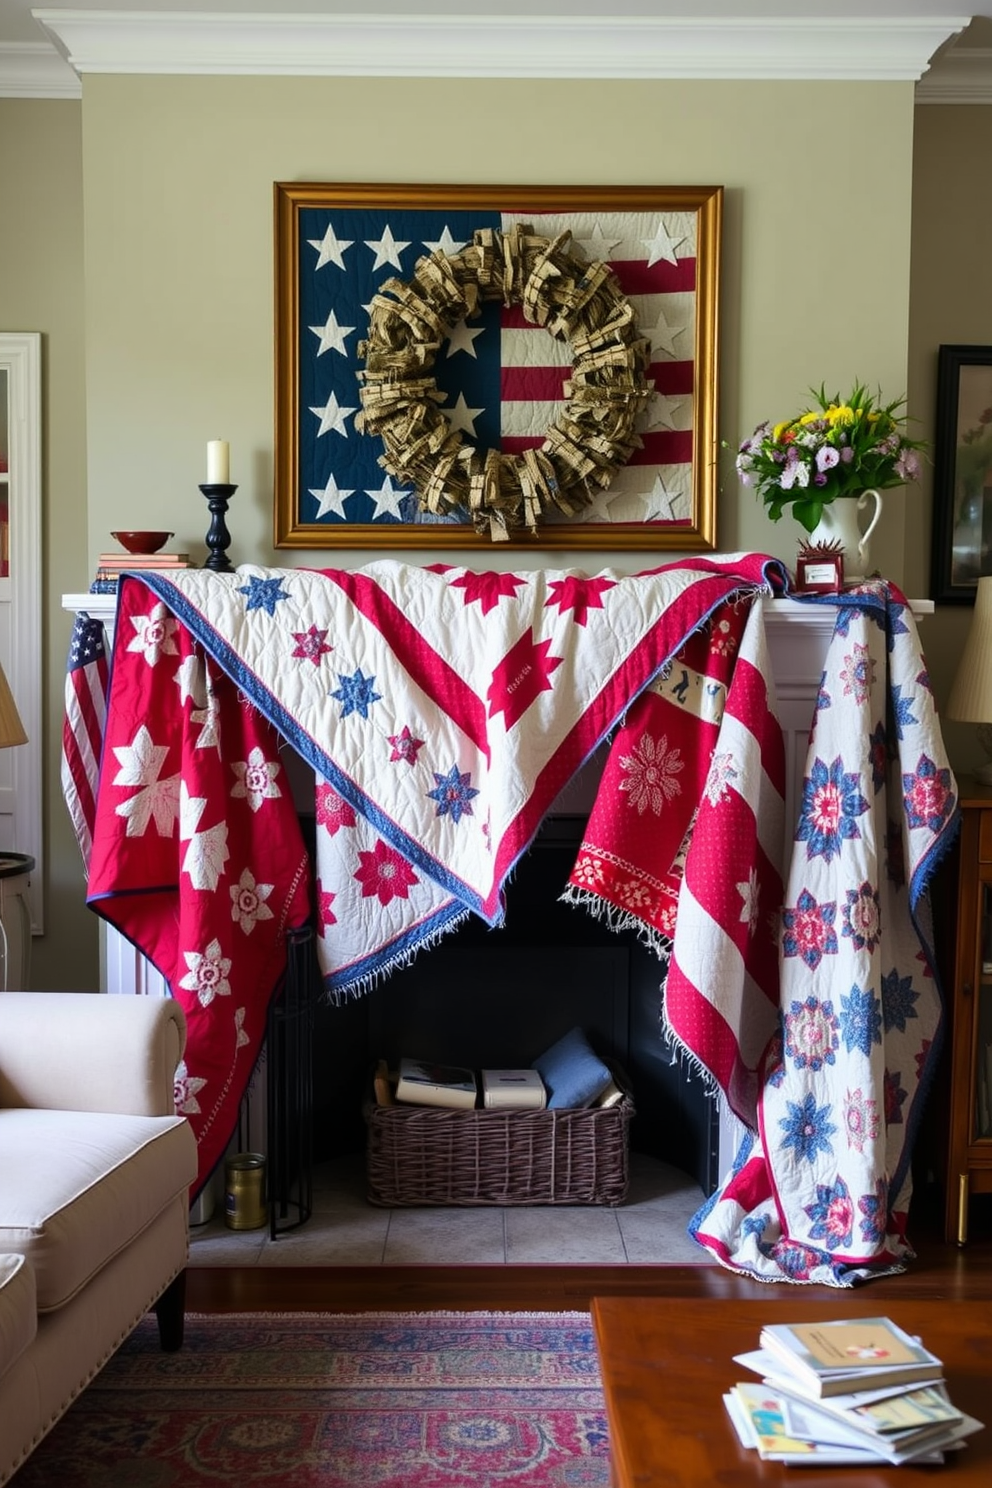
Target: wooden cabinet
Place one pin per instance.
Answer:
(969, 1157)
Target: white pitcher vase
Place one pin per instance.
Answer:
(839, 523)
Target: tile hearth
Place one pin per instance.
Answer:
(346, 1230)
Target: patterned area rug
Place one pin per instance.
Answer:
(399, 1400)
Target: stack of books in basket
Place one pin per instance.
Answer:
(854, 1391)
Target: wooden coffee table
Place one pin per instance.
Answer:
(666, 1363)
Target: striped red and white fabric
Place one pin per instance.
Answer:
(684, 844)
(654, 259)
(83, 726)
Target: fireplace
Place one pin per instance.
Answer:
(498, 997)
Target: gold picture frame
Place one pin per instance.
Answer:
(337, 245)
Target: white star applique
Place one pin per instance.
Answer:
(332, 336)
(192, 683)
(445, 244)
(330, 248)
(661, 502)
(140, 763)
(387, 499)
(331, 499)
(461, 338)
(662, 245)
(462, 417)
(191, 808)
(596, 245)
(386, 249)
(662, 335)
(332, 417)
(661, 411)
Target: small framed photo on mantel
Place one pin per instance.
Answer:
(820, 569)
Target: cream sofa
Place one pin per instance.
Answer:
(95, 1168)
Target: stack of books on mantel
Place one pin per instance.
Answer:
(855, 1391)
(110, 566)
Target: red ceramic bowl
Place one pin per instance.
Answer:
(142, 542)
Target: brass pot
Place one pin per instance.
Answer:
(244, 1191)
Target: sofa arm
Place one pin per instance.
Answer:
(86, 1051)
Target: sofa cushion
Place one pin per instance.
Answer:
(18, 1309)
(79, 1186)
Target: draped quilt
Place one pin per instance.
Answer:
(442, 711)
(821, 1185)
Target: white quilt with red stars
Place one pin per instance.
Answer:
(442, 710)
(821, 1186)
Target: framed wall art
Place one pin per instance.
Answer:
(462, 365)
(962, 486)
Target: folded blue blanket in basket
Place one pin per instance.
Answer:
(572, 1071)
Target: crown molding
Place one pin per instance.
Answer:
(963, 76)
(34, 69)
(858, 48)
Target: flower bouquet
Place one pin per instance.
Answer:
(832, 449)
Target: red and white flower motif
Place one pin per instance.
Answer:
(333, 811)
(187, 1087)
(156, 634)
(208, 974)
(860, 1119)
(721, 776)
(651, 769)
(858, 674)
(255, 781)
(839, 1219)
(384, 874)
(723, 642)
(248, 904)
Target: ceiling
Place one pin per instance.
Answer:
(713, 38)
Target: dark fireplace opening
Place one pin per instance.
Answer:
(498, 997)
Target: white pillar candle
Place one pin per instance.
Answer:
(218, 463)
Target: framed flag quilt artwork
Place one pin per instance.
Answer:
(463, 365)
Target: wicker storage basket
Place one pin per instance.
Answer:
(421, 1155)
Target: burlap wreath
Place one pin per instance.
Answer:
(577, 302)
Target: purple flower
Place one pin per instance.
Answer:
(826, 457)
(908, 465)
(847, 454)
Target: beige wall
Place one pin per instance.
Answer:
(178, 182)
(951, 302)
(41, 289)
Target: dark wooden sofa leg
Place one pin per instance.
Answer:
(170, 1309)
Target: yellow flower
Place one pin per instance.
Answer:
(814, 415)
(779, 430)
(841, 414)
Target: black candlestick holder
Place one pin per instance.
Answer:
(218, 537)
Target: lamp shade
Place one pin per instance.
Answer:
(11, 727)
(971, 695)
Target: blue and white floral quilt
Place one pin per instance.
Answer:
(820, 1190)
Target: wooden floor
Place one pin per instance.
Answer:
(941, 1271)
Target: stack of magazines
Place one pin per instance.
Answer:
(859, 1390)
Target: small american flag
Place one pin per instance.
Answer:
(83, 727)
